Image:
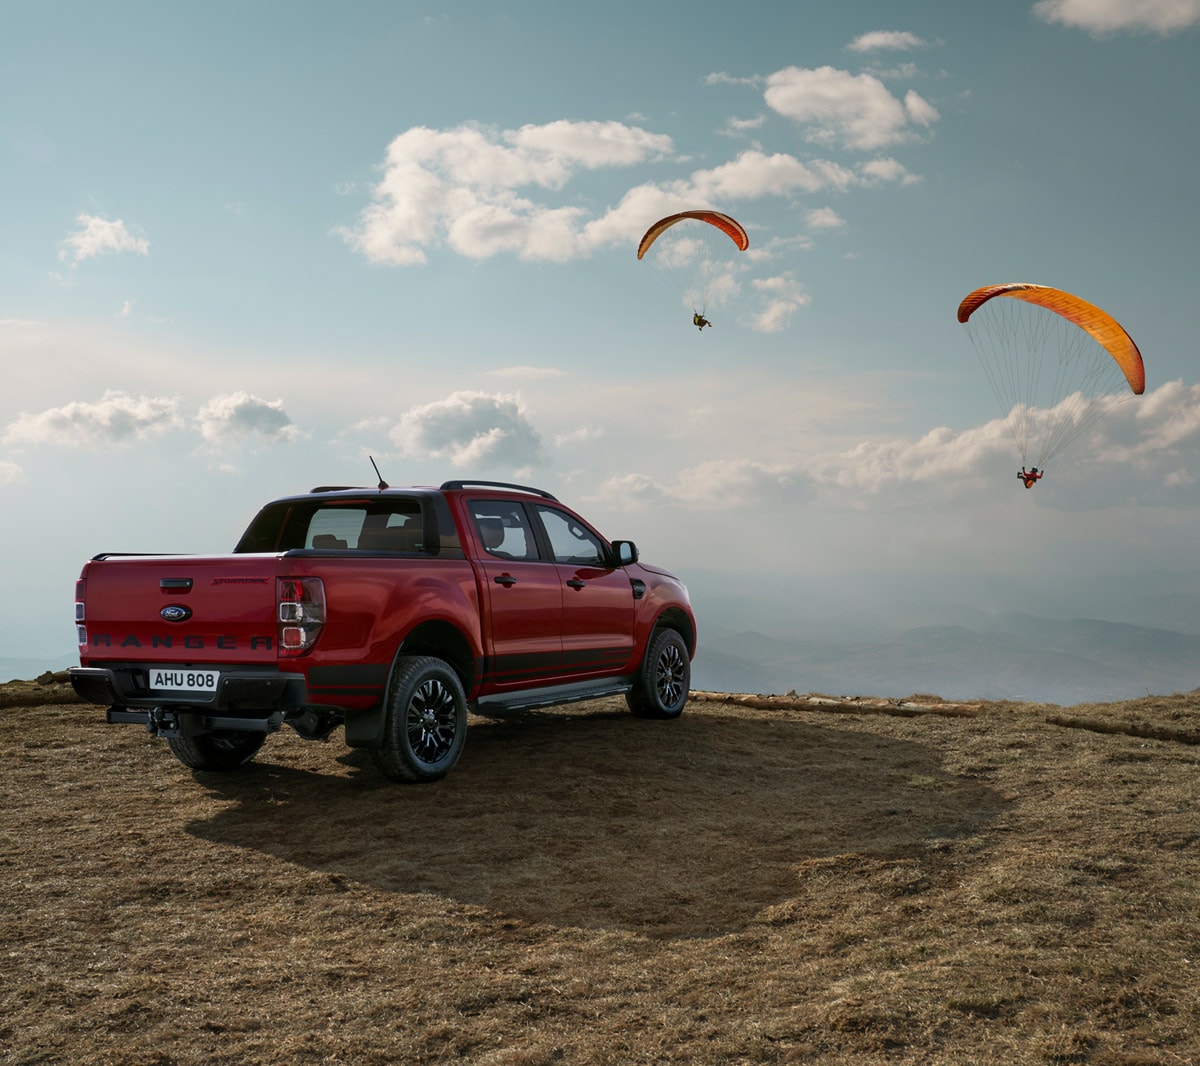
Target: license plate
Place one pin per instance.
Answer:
(169, 679)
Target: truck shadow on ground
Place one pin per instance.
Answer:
(598, 820)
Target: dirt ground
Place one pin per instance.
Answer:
(763, 880)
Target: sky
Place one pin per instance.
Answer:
(244, 247)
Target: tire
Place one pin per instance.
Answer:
(426, 722)
(222, 749)
(664, 679)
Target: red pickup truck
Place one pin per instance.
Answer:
(389, 611)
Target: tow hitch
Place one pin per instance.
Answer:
(163, 722)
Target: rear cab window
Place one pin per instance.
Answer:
(388, 523)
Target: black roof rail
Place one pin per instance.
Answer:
(337, 488)
(499, 485)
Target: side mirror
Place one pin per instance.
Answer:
(625, 552)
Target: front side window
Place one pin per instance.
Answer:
(570, 541)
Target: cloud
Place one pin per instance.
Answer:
(1163, 422)
(775, 247)
(117, 419)
(722, 78)
(754, 173)
(470, 429)
(580, 435)
(1144, 448)
(919, 110)
(1146, 452)
(483, 193)
(742, 483)
(96, 236)
(886, 40)
(10, 473)
(783, 296)
(887, 169)
(823, 218)
(1102, 17)
(631, 492)
(938, 455)
(854, 111)
(239, 416)
(458, 187)
(718, 484)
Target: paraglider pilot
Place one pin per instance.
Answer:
(699, 321)
(1030, 476)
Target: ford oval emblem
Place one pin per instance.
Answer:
(176, 613)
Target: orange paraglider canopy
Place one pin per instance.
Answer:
(1106, 330)
(723, 222)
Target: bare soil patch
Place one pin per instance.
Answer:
(797, 879)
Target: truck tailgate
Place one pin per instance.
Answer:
(183, 608)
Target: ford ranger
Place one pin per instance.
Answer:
(389, 612)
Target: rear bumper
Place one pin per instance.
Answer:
(260, 691)
(247, 700)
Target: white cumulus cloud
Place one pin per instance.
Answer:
(886, 40)
(920, 110)
(483, 193)
(116, 419)
(459, 187)
(782, 296)
(97, 236)
(239, 416)
(885, 168)
(823, 218)
(1101, 17)
(470, 429)
(836, 107)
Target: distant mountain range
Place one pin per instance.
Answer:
(1017, 657)
(1144, 639)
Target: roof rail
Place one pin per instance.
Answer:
(499, 485)
(336, 488)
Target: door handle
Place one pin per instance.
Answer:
(507, 580)
(576, 583)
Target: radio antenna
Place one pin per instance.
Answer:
(382, 484)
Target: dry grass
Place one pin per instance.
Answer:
(796, 882)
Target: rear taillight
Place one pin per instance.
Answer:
(300, 613)
(80, 628)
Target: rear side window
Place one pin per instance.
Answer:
(504, 529)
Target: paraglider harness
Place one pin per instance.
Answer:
(699, 321)
(1030, 476)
